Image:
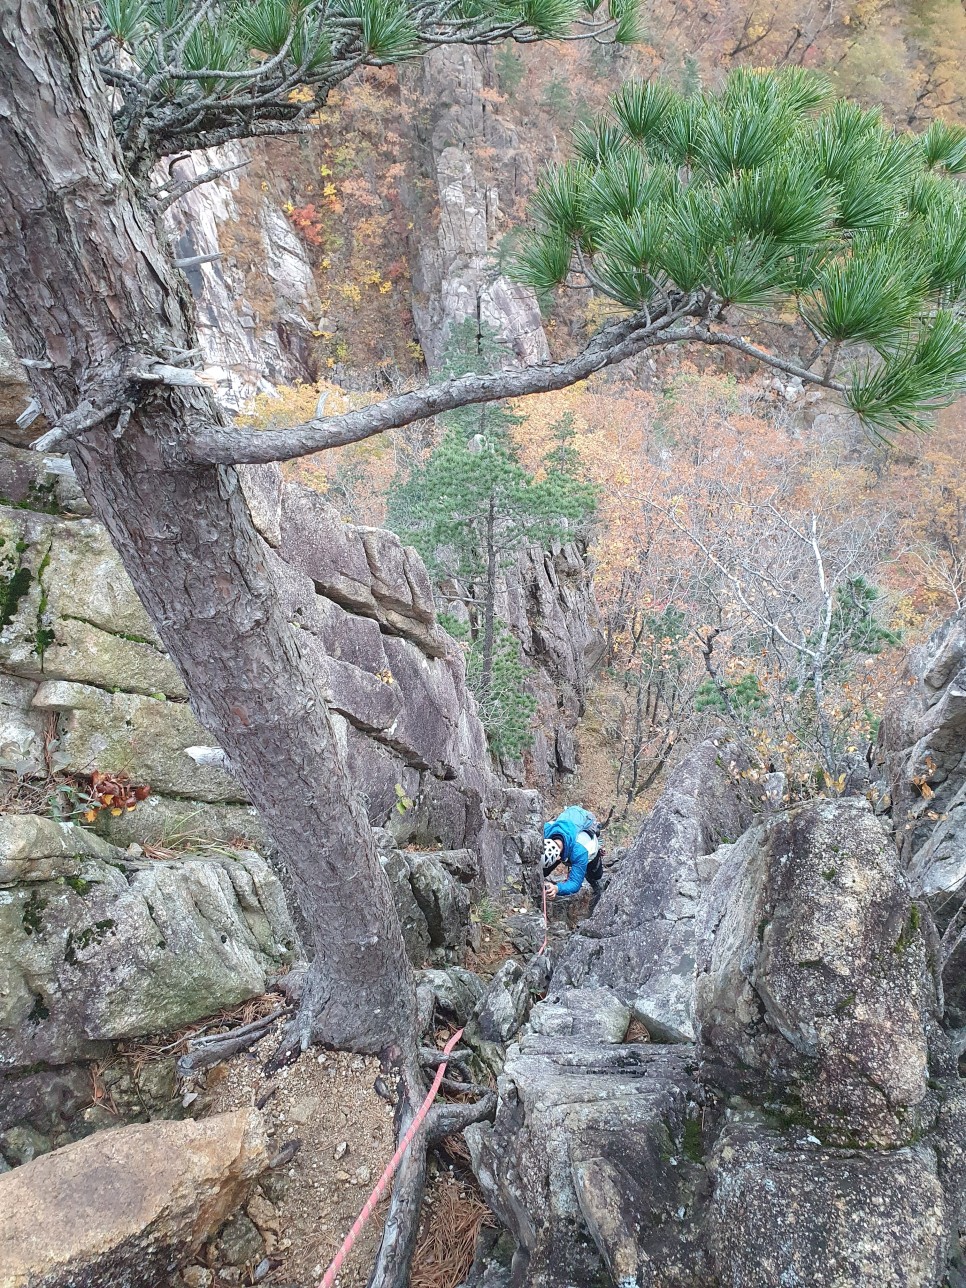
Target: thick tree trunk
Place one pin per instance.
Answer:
(85, 284)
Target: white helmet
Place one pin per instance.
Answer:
(551, 851)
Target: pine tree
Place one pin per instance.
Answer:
(764, 195)
(470, 508)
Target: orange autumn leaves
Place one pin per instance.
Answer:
(113, 793)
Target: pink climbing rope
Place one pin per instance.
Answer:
(372, 1202)
(546, 928)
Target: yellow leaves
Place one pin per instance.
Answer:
(301, 94)
(330, 191)
(90, 816)
(385, 288)
(385, 675)
(289, 207)
(324, 170)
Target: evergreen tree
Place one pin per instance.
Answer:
(470, 508)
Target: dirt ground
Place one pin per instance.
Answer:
(327, 1102)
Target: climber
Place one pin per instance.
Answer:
(573, 838)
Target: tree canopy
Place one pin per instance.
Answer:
(771, 195)
(195, 74)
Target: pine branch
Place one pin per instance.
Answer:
(768, 359)
(616, 343)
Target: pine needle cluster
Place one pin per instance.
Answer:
(195, 73)
(765, 194)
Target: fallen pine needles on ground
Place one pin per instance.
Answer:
(453, 1215)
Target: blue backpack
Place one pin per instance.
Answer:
(582, 820)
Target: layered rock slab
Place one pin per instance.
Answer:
(86, 683)
(585, 1163)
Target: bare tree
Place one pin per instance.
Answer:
(794, 607)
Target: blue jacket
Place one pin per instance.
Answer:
(574, 854)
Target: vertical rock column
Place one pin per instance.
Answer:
(455, 277)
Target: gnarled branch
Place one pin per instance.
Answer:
(616, 343)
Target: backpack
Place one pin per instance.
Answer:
(582, 819)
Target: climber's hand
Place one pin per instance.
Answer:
(550, 890)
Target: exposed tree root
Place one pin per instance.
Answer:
(392, 1268)
(205, 1051)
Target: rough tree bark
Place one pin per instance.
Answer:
(85, 285)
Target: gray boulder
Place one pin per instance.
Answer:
(76, 615)
(784, 1210)
(414, 927)
(500, 1014)
(455, 990)
(640, 942)
(96, 946)
(146, 737)
(432, 891)
(443, 900)
(812, 974)
(126, 1206)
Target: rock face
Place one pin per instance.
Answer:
(96, 945)
(585, 1164)
(787, 1211)
(547, 601)
(251, 344)
(85, 683)
(813, 1133)
(922, 753)
(453, 279)
(126, 1207)
(641, 943)
(812, 974)
(470, 157)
